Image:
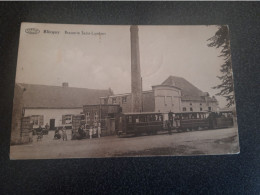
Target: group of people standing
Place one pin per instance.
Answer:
(61, 134)
(93, 130)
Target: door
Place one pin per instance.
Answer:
(159, 104)
(52, 124)
(168, 104)
(112, 126)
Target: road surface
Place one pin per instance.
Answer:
(220, 141)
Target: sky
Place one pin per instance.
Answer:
(99, 57)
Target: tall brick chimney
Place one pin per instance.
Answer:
(136, 83)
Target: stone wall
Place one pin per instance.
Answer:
(17, 115)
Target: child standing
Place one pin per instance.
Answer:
(64, 134)
(94, 131)
(90, 132)
(99, 130)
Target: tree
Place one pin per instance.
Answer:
(221, 40)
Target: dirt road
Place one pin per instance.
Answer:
(221, 141)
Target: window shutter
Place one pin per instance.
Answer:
(63, 119)
(41, 119)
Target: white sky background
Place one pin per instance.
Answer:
(100, 62)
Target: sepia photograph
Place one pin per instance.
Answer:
(102, 91)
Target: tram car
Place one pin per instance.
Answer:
(185, 121)
(222, 119)
(138, 123)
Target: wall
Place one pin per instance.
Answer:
(196, 105)
(126, 104)
(167, 99)
(148, 101)
(17, 115)
(91, 111)
(52, 114)
(125, 101)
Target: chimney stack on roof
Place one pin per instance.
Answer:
(65, 84)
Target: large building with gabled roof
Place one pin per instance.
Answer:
(175, 94)
(192, 98)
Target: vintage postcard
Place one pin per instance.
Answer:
(98, 91)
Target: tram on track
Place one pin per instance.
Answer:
(152, 122)
(203, 120)
(138, 123)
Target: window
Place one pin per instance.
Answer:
(82, 117)
(105, 100)
(190, 104)
(95, 116)
(124, 99)
(193, 116)
(191, 109)
(200, 109)
(66, 119)
(209, 108)
(158, 117)
(142, 119)
(35, 119)
(130, 119)
(201, 104)
(184, 109)
(87, 117)
(113, 100)
(152, 118)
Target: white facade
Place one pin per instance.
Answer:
(197, 106)
(167, 98)
(52, 113)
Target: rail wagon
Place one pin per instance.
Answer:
(191, 121)
(222, 119)
(138, 123)
(203, 120)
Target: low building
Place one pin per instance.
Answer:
(105, 114)
(125, 101)
(54, 105)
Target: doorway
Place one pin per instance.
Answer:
(52, 124)
(112, 126)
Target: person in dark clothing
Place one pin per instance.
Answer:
(170, 117)
(169, 127)
(39, 130)
(47, 126)
(81, 132)
(57, 134)
(39, 133)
